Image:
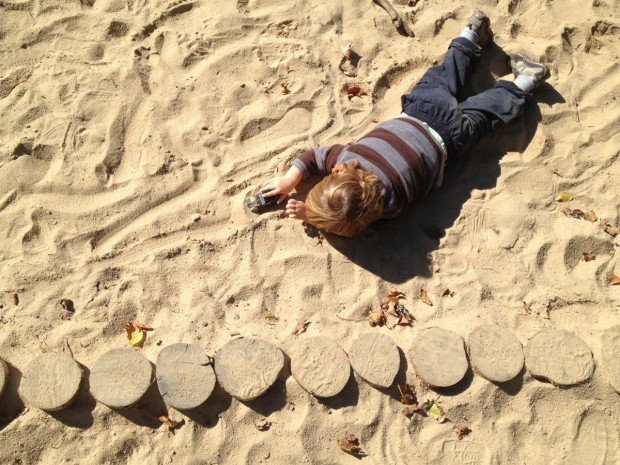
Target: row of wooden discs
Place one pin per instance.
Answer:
(246, 368)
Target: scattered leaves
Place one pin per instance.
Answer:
(301, 328)
(434, 410)
(284, 88)
(564, 197)
(424, 297)
(262, 424)
(611, 230)
(407, 396)
(350, 444)
(589, 256)
(447, 292)
(355, 91)
(613, 280)
(581, 215)
(136, 333)
(461, 431)
(67, 309)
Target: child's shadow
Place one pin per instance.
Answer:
(398, 250)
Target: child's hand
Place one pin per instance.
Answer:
(296, 209)
(282, 185)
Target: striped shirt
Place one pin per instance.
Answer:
(401, 152)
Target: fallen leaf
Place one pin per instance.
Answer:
(301, 328)
(588, 257)
(12, 297)
(270, 317)
(434, 410)
(564, 197)
(526, 308)
(262, 425)
(424, 297)
(591, 217)
(575, 213)
(347, 51)
(612, 231)
(376, 318)
(67, 309)
(136, 333)
(350, 444)
(461, 431)
(407, 396)
(410, 410)
(394, 295)
(171, 425)
(284, 88)
(613, 280)
(355, 91)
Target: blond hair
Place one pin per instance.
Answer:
(345, 202)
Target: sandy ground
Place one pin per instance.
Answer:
(131, 132)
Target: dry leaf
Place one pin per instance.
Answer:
(171, 425)
(407, 396)
(350, 444)
(262, 425)
(410, 410)
(270, 317)
(136, 333)
(394, 295)
(461, 431)
(376, 318)
(612, 231)
(347, 51)
(526, 308)
(563, 197)
(588, 257)
(591, 217)
(67, 309)
(284, 88)
(613, 280)
(434, 410)
(424, 297)
(301, 328)
(12, 297)
(575, 213)
(355, 91)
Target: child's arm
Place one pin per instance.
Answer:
(282, 185)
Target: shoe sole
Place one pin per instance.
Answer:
(518, 58)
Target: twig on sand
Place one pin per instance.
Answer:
(396, 19)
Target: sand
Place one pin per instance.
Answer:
(131, 132)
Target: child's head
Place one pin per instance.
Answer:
(346, 201)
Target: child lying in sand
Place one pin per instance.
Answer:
(402, 159)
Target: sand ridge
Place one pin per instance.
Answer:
(133, 129)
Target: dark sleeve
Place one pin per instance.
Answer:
(319, 161)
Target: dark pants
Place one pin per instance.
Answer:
(438, 100)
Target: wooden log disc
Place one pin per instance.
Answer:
(51, 382)
(495, 353)
(120, 378)
(319, 365)
(375, 358)
(560, 357)
(438, 357)
(4, 376)
(610, 352)
(185, 376)
(246, 368)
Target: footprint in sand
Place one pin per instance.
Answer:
(596, 441)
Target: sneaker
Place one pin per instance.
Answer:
(481, 25)
(521, 65)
